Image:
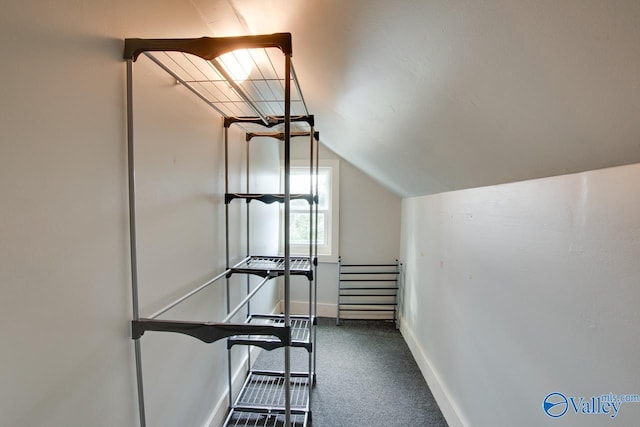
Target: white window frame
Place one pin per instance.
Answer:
(326, 253)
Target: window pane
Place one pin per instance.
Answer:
(323, 189)
(299, 228)
(299, 184)
(299, 181)
(299, 205)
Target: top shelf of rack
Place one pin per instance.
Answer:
(208, 47)
(242, 76)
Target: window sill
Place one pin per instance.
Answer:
(322, 259)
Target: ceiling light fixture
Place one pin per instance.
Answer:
(237, 64)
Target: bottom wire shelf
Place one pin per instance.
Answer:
(266, 390)
(252, 418)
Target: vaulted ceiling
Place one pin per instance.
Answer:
(429, 96)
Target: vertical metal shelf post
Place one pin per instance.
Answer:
(312, 236)
(132, 238)
(316, 137)
(227, 258)
(287, 237)
(248, 234)
(338, 283)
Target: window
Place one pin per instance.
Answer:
(300, 224)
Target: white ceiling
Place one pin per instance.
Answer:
(429, 96)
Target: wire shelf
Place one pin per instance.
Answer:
(266, 390)
(300, 332)
(246, 418)
(274, 266)
(264, 85)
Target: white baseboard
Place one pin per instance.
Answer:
(331, 310)
(447, 405)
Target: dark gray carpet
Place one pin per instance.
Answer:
(366, 376)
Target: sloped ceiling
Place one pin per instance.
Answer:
(430, 96)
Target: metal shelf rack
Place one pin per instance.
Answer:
(302, 327)
(368, 291)
(268, 97)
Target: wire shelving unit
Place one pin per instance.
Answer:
(266, 102)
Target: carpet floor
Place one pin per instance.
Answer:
(366, 376)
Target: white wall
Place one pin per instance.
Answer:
(65, 304)
(369, 227)
(519, 290)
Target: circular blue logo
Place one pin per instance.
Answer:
(555, 405)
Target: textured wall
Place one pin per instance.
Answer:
(516, 291)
